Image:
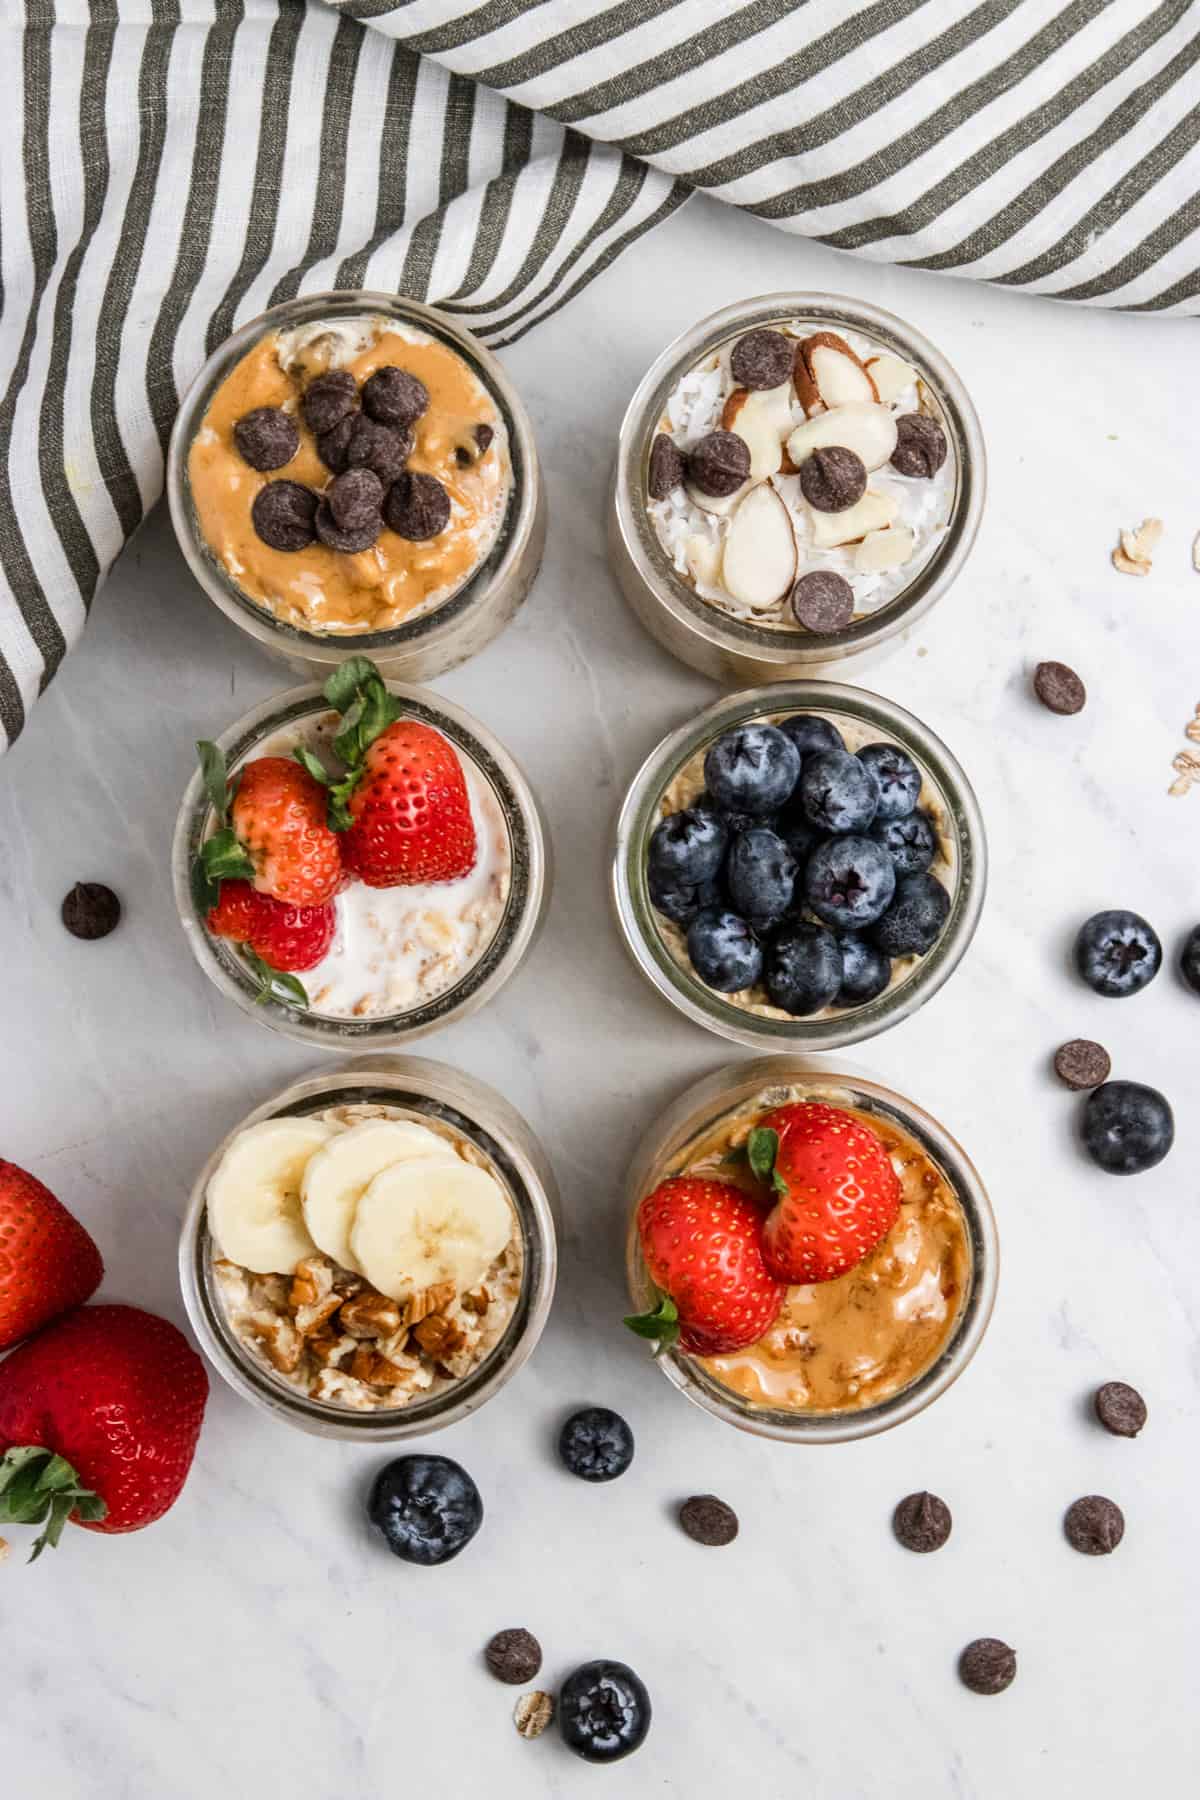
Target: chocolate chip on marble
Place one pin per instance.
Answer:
(922, 1522)
(355, 499)
(920, 445)
(329, 399)
(719, 463)
(333, 444)
(417, 507)
(987, 1666)
(513, 1656)
(382, 448)
(833, 478)
(1094, 1525)
(349, 540)
(668, 469)
(266, 438)
(91, 910)
(1059, 688)
(761, 359)
(1082, 1064)
(394, 397)
(1120, 1409)
(823, 601)
(284, 514)
(708, 1520)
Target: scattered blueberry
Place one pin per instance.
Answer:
(913, 923)
(810, 733)
(1117, 953)
(1127, 1128)
(798, 833)
(680, 901)
(803, 969)
(760, 877)
(603, 1711)
(911, 842)
(724, 951)
(866, 971)
(838, 792)
(898, 776)
(1189, 961)
(427, 1508)
(849, 882)
(596, 1444)
(752, 769)
(688, 846)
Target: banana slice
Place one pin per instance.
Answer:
(423, 1223)
(338, 1173)
(254, 1194)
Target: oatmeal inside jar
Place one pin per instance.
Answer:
(363, 1256)
(350, 475)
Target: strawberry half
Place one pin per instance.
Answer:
(702, 1245)
(48, 1262)
(837, 1193)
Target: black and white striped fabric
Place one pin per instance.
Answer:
(168, 168)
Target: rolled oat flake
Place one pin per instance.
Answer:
(922, 1522)
(823, 601)
(532, 1713)
(514, 1656)
(708, 1520)
(1094, 1525)
(987, 1666)
(1120, 1409)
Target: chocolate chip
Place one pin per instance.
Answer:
(332, 445)
(283, 515)
(355, 499)
(348, 540)
(328, 400)
(464, 456)
(922, 1522)
(823, 601)
(514, 1656)
(1082, 1064)
(708, 1520)
(762, 359)
(417, 507)
(719, 463)
(266, 438)
(1059, 688)
(920, 445)
(1120, 1408)
(667, 467)
(987, 1666)
(483, 435)
(394, 397)
(1094, 1525)
(381, 448)
(833, 478)
(91, 910)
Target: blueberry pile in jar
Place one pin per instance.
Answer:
(803, 869)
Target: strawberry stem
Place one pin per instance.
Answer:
(357, 690)
(661, 1326)
(762, 1148)
(38, 1487)
(275, 984)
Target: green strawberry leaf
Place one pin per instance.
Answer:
(224, 859)
(337, 812)
(205, 891)
(275, 984)
(762, 1147)
(661, 1326)
(343, 685)
(38, 1487)
(212, 770)
(359, 693)
(313, 764)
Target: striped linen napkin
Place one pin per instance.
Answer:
(168, 168)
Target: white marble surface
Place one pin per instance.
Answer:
(258, 1641)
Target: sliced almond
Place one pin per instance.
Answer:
(867, 429)
(828, 373)
(718, 504)
(759, 565)
(885, 549)
(762, 418)
(871, 513)
(892, 376)
(703, 559)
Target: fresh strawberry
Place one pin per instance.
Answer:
(48, 1263)
(837, 1193)
(702, 1245)
(99, 1416)
(285, 937)
(271, 831)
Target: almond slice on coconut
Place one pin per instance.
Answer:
(871, 513)
(759, 565)
(762, 418)
(891, 375)
(886, 549)
(703, 559)
(717, 504)
(867, 429)
(828, 373)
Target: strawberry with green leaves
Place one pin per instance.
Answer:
(271, 831)
(701, 1242)
(48, 1262)
(277, 941)
(836, 1194)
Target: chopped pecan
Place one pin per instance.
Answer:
(281, 1343)
(374, 1370)
(329, 1348)
(369, 1315)
(429, 1300)
(312, 1281)
(438, 1336)
(477, 1300)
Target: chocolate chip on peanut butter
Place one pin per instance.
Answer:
(329, 399)
(920, 445)
(355, 499)
(823, 600)
(667, 467)
(333, 444)
(833, 478)
(466, 454)
(761, 359)
(382, 448)
(417, 507)
(922, 1523)
(719, 463)
(348, 539)
(266, 438)
(284, 515)
(394, 397)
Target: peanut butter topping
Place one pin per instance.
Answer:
(320, 589)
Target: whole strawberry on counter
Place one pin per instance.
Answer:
(836, 1192)
(702, 1245)
(48, 1263)
(99, 1417)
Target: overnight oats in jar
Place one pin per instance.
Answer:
(845, 1257)
(373, 1253)
(798, 479)
(359, 863)
(354, 473)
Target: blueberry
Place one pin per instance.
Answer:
(760, 876)
(810, 733)
(913, 922)
(751, 769)
(1189, 961)
(427, 1508)
(838, 792)
(596, 1444)
(680, 901)
(849, 882)
(1117, 953)
(723, 950)
(800, 836)
(898, 777)
(866, 971)
(1127, 1128)
(603, 1711)
(911, 842)
(688, 847)
(803, 968)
